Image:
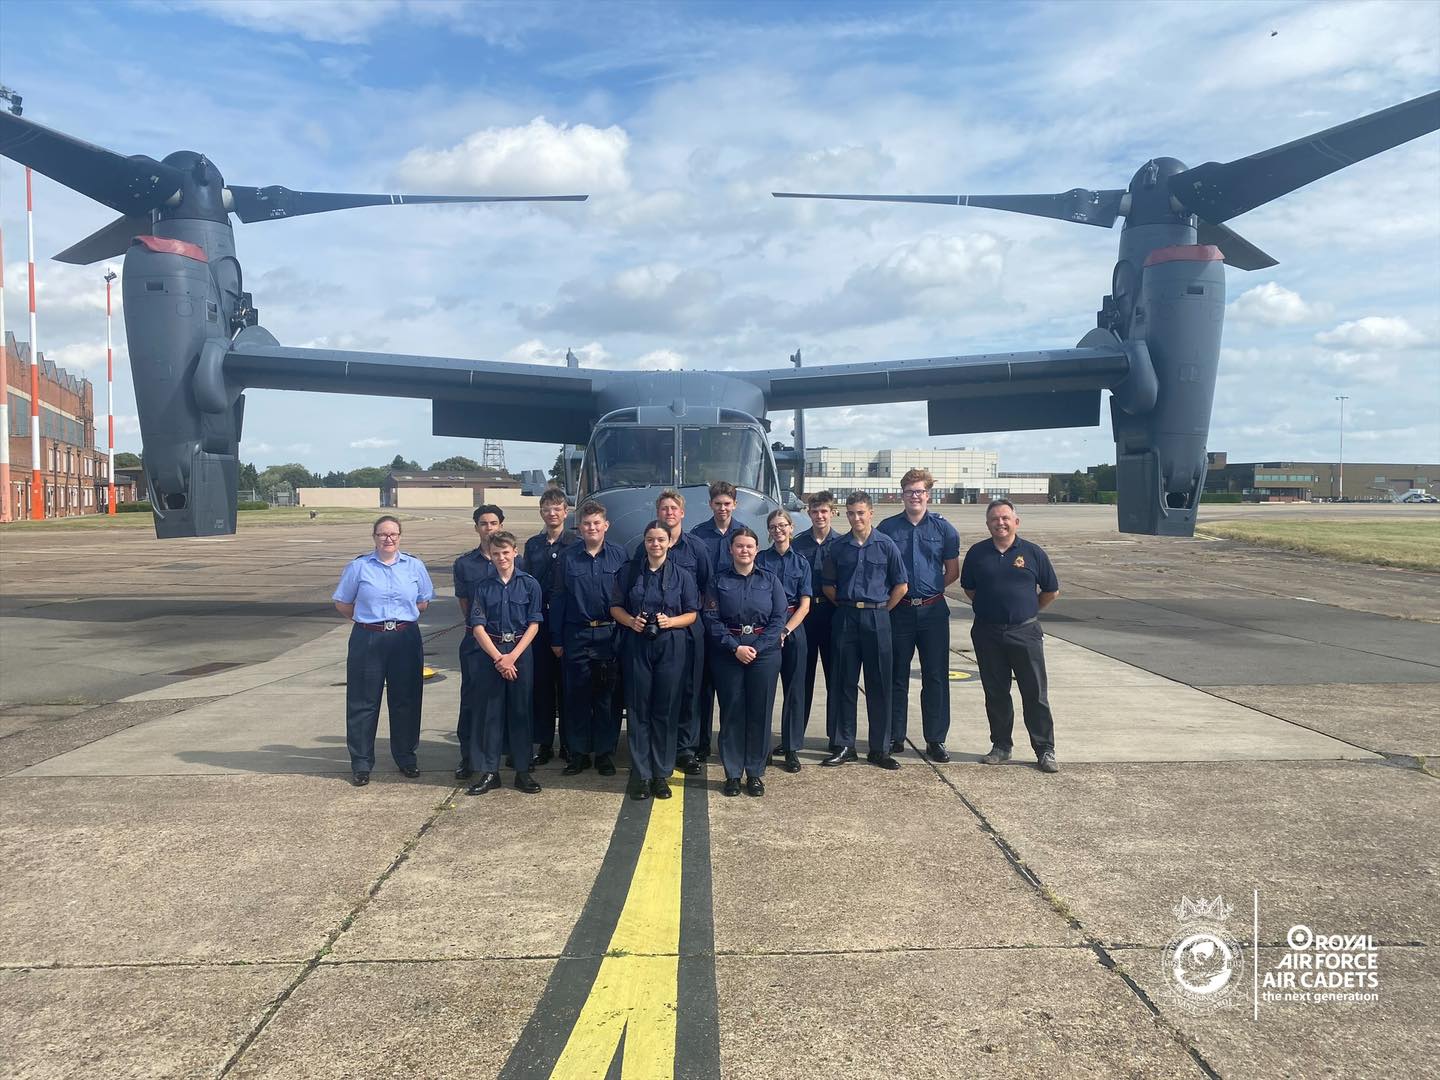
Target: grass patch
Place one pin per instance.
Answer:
(279, 515)
(1412, 545)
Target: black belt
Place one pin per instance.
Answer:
(863, 604)
(592, 624)
(925, 602)
(506, 638)
(740, 631)
(388, 624)
(1009, 625)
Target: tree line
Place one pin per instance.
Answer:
(295, 475)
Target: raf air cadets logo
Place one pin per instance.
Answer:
(1203, 963)
(1019, 562)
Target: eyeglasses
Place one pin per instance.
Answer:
(915, 493)
(391, 538)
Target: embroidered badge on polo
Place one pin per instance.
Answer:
(1019, 562)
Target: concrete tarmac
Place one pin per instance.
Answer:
(193, 889)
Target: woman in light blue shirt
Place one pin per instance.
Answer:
(383, 592)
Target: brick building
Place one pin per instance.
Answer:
(73, 470)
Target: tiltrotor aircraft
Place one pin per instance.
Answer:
(196, 344)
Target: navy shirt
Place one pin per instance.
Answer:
(469, 570)
(507, 607)
(381, 592)
(542, 557)
(815, 551)
(864, 573)
(583, 594)
(794, 571)
(670, 590)
(1007, 584)
(924, 547)
(716, 543)
(737, 600)
(689, 553)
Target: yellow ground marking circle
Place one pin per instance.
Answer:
(959, 676)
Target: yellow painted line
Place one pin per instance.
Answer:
(636, 992)
(957, 676)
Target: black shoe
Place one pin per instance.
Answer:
(640, 792)
(360, 779)
(526, 783)
(412, 771)
(885, 761)
(840, 756)
(604, 765)
(543, 757)
(578, 764)
(732, 786)
(660, 788)
(792, 762)
(936, 752)
(897, 746)
(464, 772)
(703, 754)
(755, 786)
(689, 766)
(774, 750)
(488, 782)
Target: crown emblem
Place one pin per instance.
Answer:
(1189, 910)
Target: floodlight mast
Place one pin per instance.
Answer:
(109, 400)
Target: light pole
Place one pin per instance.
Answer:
(1342, 398)
(109, 398)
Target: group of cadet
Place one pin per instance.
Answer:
(571, 630)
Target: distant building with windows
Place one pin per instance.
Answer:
(1309, 481)
(961, 475)
(73, 470)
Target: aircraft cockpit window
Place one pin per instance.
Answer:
(630, 457)
(736, 454)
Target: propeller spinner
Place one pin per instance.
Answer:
(184, 185)
(1212, 192)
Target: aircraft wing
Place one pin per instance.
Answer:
(474, 398)
(988, 392)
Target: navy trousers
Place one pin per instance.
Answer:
(817, 653)
(591, 710)
(747, 696)
(926, 629)
(504, 710)
(687, 707)
(1020, 649)
(860, 641)
(549, 693)
(654, 674)
(465, 723)
(388, 662)
(795, 707)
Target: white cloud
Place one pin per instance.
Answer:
(373, 443)
(344, 22)
(661, 360)
(539, 158)
(1272, 304)
(536, 351)
(1373, 332)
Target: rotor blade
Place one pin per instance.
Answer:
(1218, 192)
(272, 203)
(108, 243)
(1080, 205)
(1239, 252)
(127, 184)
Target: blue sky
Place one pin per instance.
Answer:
(680, 119)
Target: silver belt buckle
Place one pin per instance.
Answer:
(390, 624)
(747, 629)
(917, 603)
(508, 636)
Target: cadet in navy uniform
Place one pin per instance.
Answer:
(384, 592)
(864, 576)
(691, 554)
(505, 614)
(580, 621)
(813, 544)
(715, 535)
(542, 556)
(469, 570)
(797, 579)
(930, 547)
(655, 603)
(744, 616)
(1009, 582)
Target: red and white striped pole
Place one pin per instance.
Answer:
(5, 511)
(109, 395)
(37, 478)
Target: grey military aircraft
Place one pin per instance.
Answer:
(196, 344)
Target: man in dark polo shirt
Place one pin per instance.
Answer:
(864, 577)
(930, 547)
(1009, 581)
(542, 556)
(468, 571)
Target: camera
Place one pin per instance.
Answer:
(652, 624)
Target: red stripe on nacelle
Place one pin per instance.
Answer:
(1185, 253)
(167, 246)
